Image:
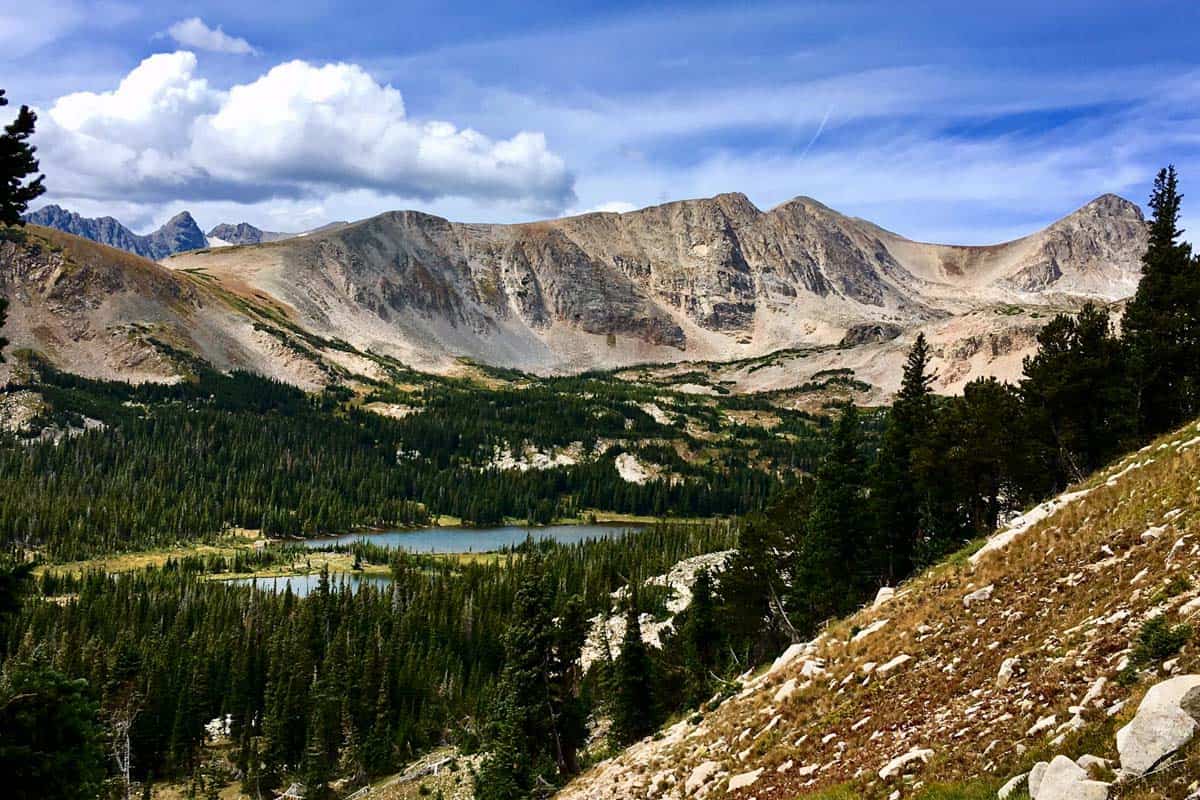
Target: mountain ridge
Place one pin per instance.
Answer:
(710, 280)
(178, 234)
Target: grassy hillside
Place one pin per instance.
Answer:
(1067, 593)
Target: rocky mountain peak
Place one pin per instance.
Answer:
(242, 233)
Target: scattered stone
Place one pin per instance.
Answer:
(877, 625)
(895, 663)
(1043, 724)
(897, 765)
(744, 780)
(700, 776)
(884, 595)
(1012, 785)
(1035, 777)
(1004, 676)
(1166, 720)
(785, 691)
(1063, 779)
(979, 595)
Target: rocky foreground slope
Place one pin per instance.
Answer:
(1013, 668)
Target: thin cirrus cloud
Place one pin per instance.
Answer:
(297, 131)
(195, 34)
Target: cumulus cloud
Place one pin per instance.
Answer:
(298, 131)
(194, 33)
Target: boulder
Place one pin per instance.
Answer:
(1035, 777)
(884, 594)
(1166, 720)
(1063, 779)
(1011, 785)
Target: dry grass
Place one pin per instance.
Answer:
(1068, 601)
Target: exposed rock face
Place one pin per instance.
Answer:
(711, 279)
(105, 313)
(242, 233)
(1166, 720)
(178, 235)
(714, 279)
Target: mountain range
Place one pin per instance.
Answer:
(767, 298)
(179, 234)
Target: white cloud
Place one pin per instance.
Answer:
(195, 34)
(612, 206)
(298, 131)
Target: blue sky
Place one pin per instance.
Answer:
(940, 122)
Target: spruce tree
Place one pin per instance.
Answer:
(3, 316)
(832, 570)
(632, 685)
(17, 163)
(702, 637)
(1161, 326)
(1077, 397)
(897, 486)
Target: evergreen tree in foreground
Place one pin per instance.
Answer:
(834, 549)
(538, 724)
(1076, 393)
(1162, 322)
(701, 640)
(897, 484)
(17, 162)
(632, 684)
(3, 315)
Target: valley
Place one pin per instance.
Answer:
(690, 501)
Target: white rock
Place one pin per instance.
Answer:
(1086, 762)
(1012, 785)
(1190, 607)
(787, 656)
(700, 776)
(1165, 721)
(897, 765)
(1035, 777)
(785, 691)
(1094, 691)
(885, 594)
(812, 668)
(979, 595)
(1007, 668)
(878, 624)
(744, 780)
(1063, 779)
(1043, 724)
(895, 663)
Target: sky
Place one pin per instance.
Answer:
(943, 121)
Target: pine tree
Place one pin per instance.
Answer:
(897, 486)
(833, 571)
(17, 162)
(1161, 326)
(702, 638)
(632, 689)
(3, 316)
(50, 742)
(1077, 396)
